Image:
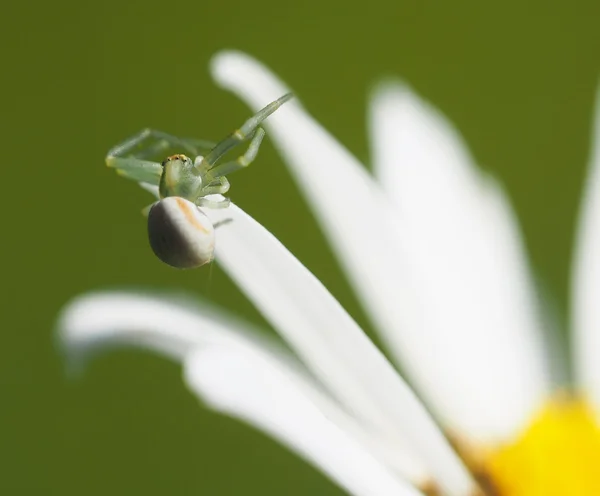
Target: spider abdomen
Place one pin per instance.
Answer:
(180, 234)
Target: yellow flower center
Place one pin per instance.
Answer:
(557, 455)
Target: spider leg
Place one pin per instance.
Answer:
(150, 142)
(243, 133)
(201, 145)
(130, 145)
(165, 141)
(207, 203)
(130, 157)
(146, 209)
(242, 161)
(218, 186)
(136, 169)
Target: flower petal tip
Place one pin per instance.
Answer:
(78, 328)
(67, 337)
(397, 97)
(68, 322)
(225, 63)
(247, 77)
(391, 88)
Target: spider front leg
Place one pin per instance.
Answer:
(192, 146)
(150, 142)
(220, 170)
(241, 134)
(204, 202)
(136, 169)
(130, 157)
(219, 186)
(122, 157)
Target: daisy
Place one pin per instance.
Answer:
(432, 249)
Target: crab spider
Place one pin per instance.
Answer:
(180, 234)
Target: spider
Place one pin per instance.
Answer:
(180, 234)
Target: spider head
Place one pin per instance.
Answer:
(179, 178)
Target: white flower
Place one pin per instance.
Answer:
(432, 249)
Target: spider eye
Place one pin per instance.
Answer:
(180, 234)
(179, 158)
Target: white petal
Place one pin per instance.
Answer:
(250, 388)
(176, 329)
(362, 227)
(586, 278)
(481, 330)
(331, 344)
(172, 328)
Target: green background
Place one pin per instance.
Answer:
(518, 81)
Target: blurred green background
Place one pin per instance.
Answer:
(518, 80)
